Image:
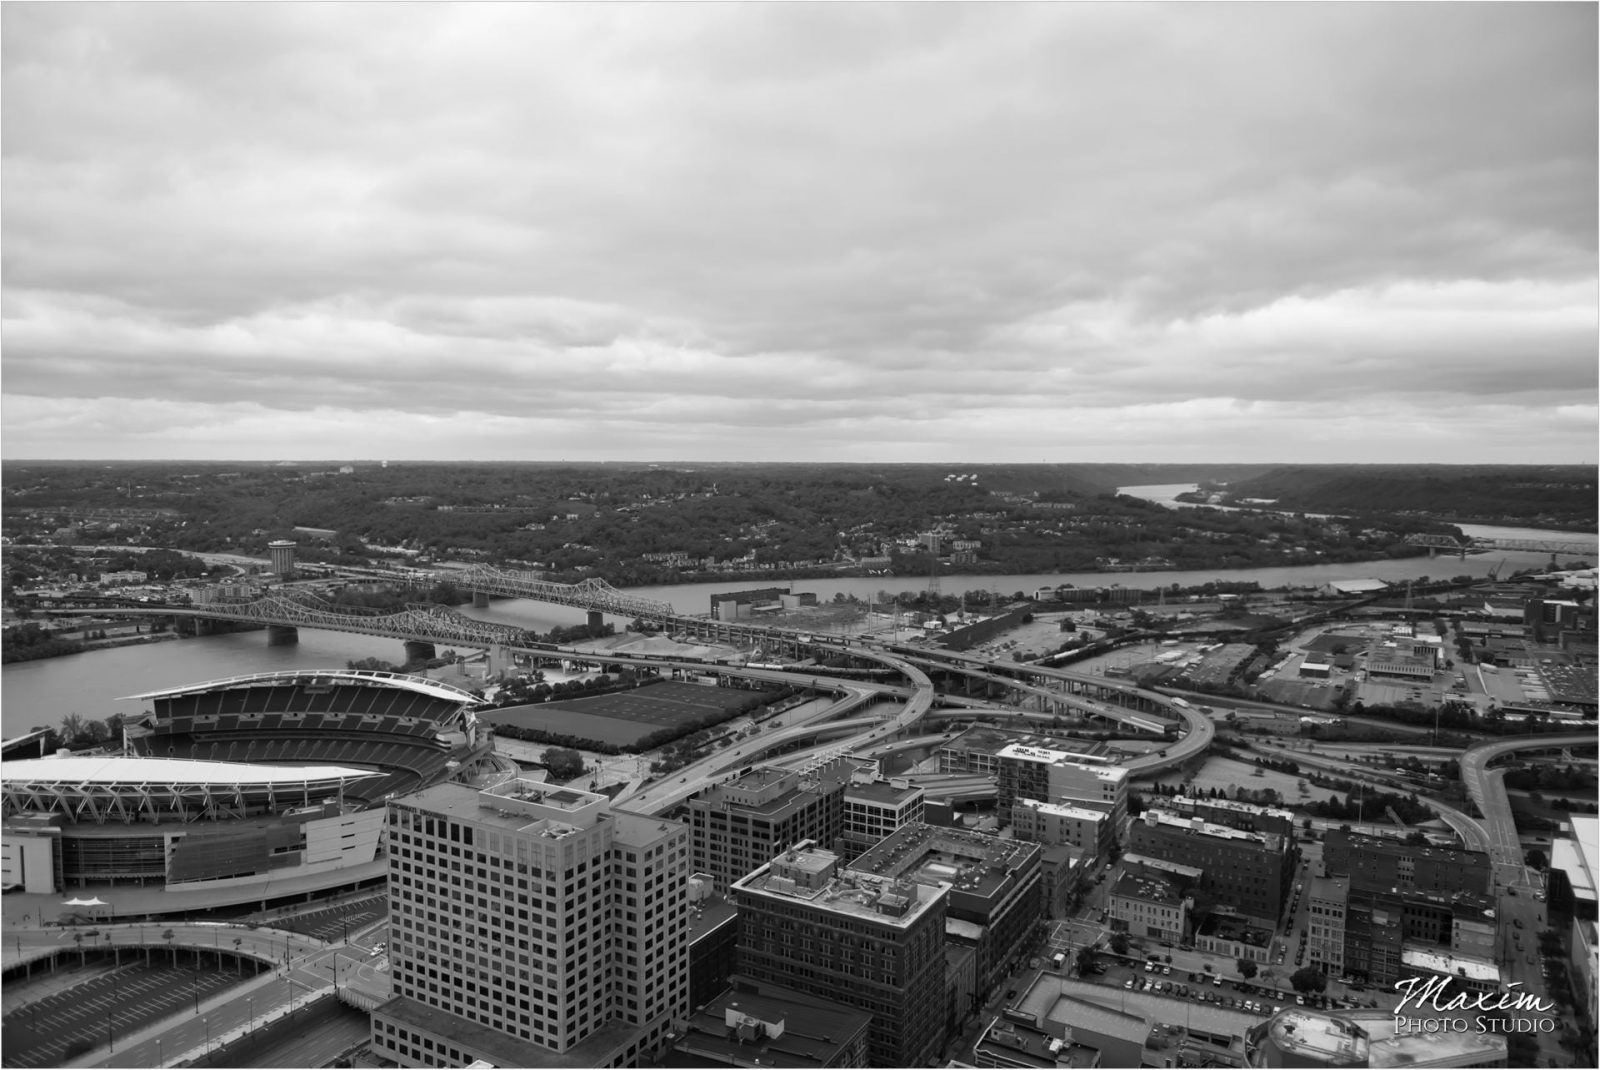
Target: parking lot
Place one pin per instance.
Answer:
(52, 1030)
(335, 923)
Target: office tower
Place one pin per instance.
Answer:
(532, 924)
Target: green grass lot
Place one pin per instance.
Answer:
(625, 717)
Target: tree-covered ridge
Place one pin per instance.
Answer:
(640, 523)
(1555, 496)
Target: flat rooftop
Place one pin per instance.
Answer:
(851, 893)
(1063, 810)
(978, 863)
(503, 1049)
(1368, 1038)
(995, 740)
(1180, 822)
(1234, 806)
(515, 806)
(1053, 998)
(1149, 889)
(814, 1031)
(1049, 756)
(881, 791)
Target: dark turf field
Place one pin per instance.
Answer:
(624, 717)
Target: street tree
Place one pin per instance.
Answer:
(1247, 968)
(563, 763)
(1308, 979)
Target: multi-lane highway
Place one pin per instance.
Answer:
(920, 697)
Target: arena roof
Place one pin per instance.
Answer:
(405, 681)
(105, 770)
(108, 789)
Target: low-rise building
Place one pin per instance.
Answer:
(875, 810)
(1005, 1043)
(1575, 867)
(1049, 775)
(1234, 814)
(1148, 906)
(1327, 901)
(1231, 937)
(1058, 823)
(1466, 972)
(976, 750)
(1306, 1038)
(772, 1026)
(1058, 1006)
(1062, 873)
(1382, 863)
(1245, 873)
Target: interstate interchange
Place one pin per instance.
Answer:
(1494, 833)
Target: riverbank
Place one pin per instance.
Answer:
(84, 646)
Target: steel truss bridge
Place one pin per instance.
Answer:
(593, 594)
(1553, 547)
(424, 623)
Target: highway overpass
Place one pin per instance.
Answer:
(1487, 789)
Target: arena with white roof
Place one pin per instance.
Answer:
(238, 786)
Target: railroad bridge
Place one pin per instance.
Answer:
(1554, 547)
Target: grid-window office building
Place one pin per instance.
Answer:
(532, 926)
(870, 942)
(739, 826)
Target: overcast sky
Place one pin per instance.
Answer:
(1044, 232)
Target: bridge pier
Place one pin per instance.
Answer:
(596, 620)
(282, 635)
(417, 650)
(480, 600)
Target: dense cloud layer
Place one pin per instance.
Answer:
(1029, 232)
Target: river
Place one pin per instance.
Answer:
(1167, 494)
(42, 692)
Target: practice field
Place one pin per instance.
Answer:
(625, 717)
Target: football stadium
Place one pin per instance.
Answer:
(257, 789)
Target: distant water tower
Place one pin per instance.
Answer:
(282, 551)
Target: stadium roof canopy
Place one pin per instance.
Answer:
(104, 789)
(369, 677)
